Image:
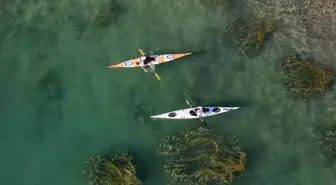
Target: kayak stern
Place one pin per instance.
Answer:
(130, 63)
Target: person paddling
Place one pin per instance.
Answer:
(145, 60)
(197, 112)
(200, 111)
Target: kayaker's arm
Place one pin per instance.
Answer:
(151, 66)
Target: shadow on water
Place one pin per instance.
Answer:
(222, 103)
(140, 112)
(254, 155)
(142, 116)
(167, 50)
(145, 165)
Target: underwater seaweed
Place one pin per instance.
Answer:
(251, 34)
(216, 3)
(117, 171)
(305, 79)
(107, 13)
(200, 157)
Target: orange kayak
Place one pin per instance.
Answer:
(159, 59)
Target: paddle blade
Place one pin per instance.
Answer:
(141, 51)
(158, 77)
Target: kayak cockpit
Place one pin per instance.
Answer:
(148, 60)
(193, 112)
(172, 114)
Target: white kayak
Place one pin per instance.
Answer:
(191, 113)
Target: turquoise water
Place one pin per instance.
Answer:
(103, 110)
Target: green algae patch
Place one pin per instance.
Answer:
(198, 156)
(117, 171)
(250, 34)
(305, 79)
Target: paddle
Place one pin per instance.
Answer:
(142, 52)
(156, 75)
(199, 116)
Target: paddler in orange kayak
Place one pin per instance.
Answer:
(145, 61)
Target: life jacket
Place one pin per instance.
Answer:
(199, 112)
(142, 59)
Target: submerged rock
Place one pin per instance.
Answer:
(304, 79)
(328, 144)
(48, 102)
(49, 82)
(216, 3)
(107, 13)
(200, 157)
(140, 114)
(116, 171)
(251, 33)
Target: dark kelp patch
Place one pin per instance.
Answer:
(251, 33)
(119, 170)
(198, 156)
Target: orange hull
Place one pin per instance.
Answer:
(159, 59)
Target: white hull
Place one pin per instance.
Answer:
(190, 113)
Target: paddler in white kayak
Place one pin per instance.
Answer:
(200, 111)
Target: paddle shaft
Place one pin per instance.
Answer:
(143, 68)
(157, 76)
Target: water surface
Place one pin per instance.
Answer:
(104, 110)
